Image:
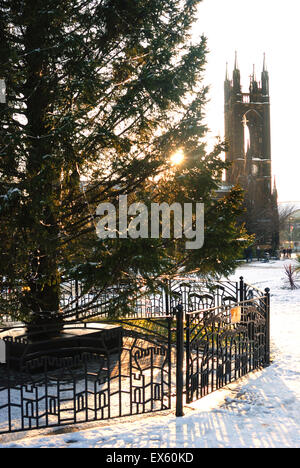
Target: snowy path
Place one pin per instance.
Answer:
(261, 410)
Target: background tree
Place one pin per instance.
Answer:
(99, 96)
(286, 222)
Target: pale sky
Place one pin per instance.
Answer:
(253, 27)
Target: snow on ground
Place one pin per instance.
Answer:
(260, 411)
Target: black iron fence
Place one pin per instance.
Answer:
(80, 304)
(99, 380)
(224, 344)
(187, 340)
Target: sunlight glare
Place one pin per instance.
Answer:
(177, 158)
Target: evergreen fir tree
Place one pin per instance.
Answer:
(99, 96)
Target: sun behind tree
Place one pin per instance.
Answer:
(177, 158)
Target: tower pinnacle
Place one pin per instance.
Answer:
(265, 78)
(235, 61)
(236, 76)
(227, 74)
(264, 65)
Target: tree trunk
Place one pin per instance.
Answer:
(41, 298)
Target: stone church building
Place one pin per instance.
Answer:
(248, 135)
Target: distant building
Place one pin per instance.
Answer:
(248, 134)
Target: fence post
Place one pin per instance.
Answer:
(179, 360)
(77, 298)
(267, 308)
(170, 323)
(188, 352)
(167, 297)
(242, 289)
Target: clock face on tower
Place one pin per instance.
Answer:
(254, 169)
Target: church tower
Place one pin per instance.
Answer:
(248, 134)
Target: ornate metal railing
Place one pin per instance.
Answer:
(225, 343)
(189, 337)
(144, 304)
(94, 382)
(128, 301)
